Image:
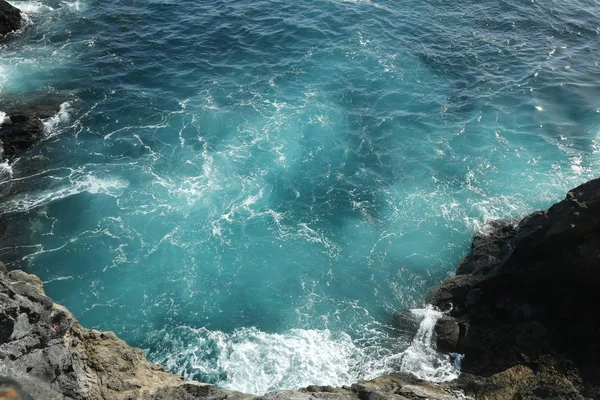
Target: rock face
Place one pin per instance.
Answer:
(43, 346)
(525, 304)
(10, 18)
(20, 131)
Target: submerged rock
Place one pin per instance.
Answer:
(10, 18)
(19, 131)
(526, 297)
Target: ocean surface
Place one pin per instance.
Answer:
(249, 190)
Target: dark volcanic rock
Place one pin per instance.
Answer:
(448, 332)
(20, 131)
(526, 296)
(10, 18)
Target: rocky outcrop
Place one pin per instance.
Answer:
(19, 131)
(524, 304)
(10, 18)
(42, 342)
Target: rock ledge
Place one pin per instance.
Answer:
(525, 304)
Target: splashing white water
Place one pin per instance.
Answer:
(30, 9)
(297, 358)
(253, 361)
(5, 169)
(257, 362)
(421, 358)
(63, 116)
(78, 184)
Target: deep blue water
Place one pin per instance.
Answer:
(249, 189)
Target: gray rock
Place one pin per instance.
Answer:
(20, 131)
(21, 328)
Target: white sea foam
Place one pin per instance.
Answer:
(59, 278)
(86, 183)
(74, 5)
(35, 8)
(5, 169)
(63, 116)
(30, 9)
(257, 362)
(421, 358)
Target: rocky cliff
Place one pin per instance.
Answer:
(525, 301)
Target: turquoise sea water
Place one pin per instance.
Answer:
(248, 190)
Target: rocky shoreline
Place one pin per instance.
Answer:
(522, 308)
(44, 348)
(524, 301)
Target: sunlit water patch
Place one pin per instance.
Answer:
(250, 190)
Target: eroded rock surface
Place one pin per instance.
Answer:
(525, 304)
(42, 342)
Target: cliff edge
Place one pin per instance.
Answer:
(525, 301)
